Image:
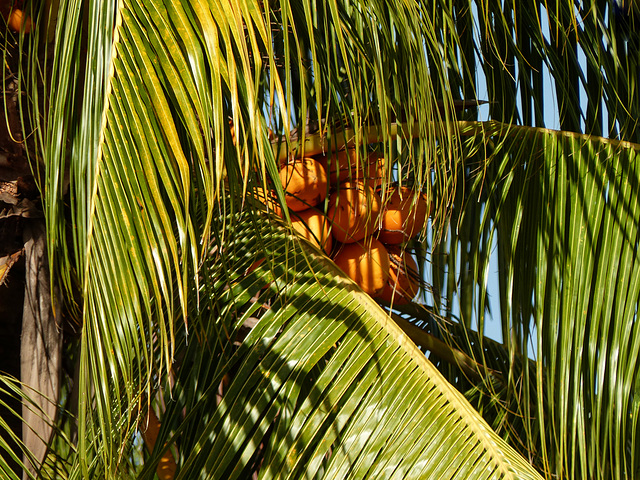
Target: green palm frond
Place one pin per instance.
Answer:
(136, 152)
(577, 61)
(562, 209)
(62, 452)
(152, 235)
(324, 386)
(493, 378)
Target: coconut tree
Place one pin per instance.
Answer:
(204, 338)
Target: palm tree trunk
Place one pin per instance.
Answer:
(41, 347)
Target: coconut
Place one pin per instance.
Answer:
(18, 20)
(402, 285)
(403, 216)
(150, 429)
(315, 226)
(305, 183)
(353, 209)
(366, 263)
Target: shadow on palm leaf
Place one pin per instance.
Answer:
(297, 372)
(319, 387)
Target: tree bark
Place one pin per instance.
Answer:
(41, 348)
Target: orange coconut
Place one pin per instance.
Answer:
(402, 285)
(354, 209)
(403, 216)
(19, 20)
(305, 183)
(315, 226)
(366, 263)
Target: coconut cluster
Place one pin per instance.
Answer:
(336, 204)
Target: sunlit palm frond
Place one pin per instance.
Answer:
(560, 226)
(492, 377)
(545, 60)
(324, 385)
(136, 150)
(562, 211)
(138, 160)
(61, 452)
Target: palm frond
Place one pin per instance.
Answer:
(324, 385)
(562, 209)
(493, 378)
(138, 161)
(60, 449)
(577, 63)
(134, 141)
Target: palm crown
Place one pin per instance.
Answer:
(256, 353)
